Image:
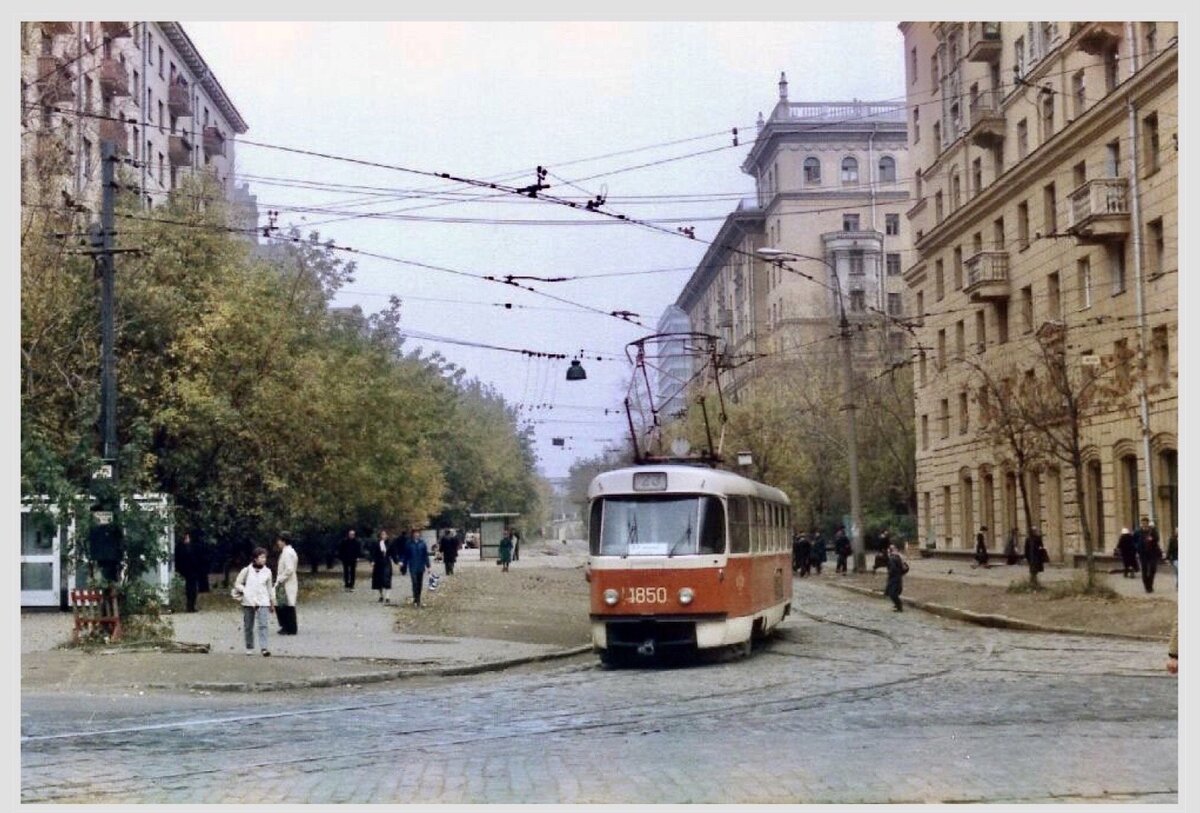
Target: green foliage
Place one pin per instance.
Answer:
(1080, 586)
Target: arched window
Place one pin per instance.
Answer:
(887, 169)
(849, 170)
(812, 170)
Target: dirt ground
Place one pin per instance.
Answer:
(1132, 616)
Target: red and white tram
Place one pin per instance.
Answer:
(685, 558)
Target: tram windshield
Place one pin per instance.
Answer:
(657, 526)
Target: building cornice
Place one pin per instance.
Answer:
(736, 224)
(188, 52)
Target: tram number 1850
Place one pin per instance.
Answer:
(645, 595)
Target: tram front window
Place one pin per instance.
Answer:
(657, 526)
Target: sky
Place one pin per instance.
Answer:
(591, 102)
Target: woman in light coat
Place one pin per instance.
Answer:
(256, 591)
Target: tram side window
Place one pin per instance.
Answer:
(712, 533)
(594, 527)
(739, 525)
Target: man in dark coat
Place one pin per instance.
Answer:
(417, 561)
(1011, 557)
(449, 546)
(1127, 550)
(192, 567)
(817, 557)
(1149, 552)
(981, 551)
(841, 546)
(382, 555)
(1035, 554)
(896, 568)
(348, 551)
(804, 552)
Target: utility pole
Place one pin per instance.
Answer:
(849, 405)
(105, 537)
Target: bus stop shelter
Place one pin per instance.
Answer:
(491, 531)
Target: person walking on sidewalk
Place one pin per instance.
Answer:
(841, 546)
(1035, 555)
(506, 549)
(349, 549)
(817, 557)
(449, 546)
(1127, 550)
(417, 561)
(981, 551)
(382, 555)
(1011, 557)
(289, 580)
(254, 588)
(896, 568)
(192, 567)
(1149, 552)
(1173, 554)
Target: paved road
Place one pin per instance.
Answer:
(851, 703)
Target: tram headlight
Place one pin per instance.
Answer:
(611, 596)
(686, 595)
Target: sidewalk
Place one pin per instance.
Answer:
(345, 638)
(999, 574)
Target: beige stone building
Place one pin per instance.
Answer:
(1044, 156)
(142, 85)
(832, 185)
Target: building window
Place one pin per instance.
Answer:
(1157, 246)
(1079, 93)
(858, 301)
(1116, 266)
(980, 331)
(1049, 210)
(891, 224)
(920, 314)
(887, 169)
(939, 280)
(944, 417)
(916, 125)
(1002, 323)
(895, 306)
(893, 265)
(912, 66)
(1083, 270)
(160, 117)
(1022, 138)
(924, 432)
(1027, 309)
(958, 268)
(1112, 158)
(1022, 226)
(964, 414)
(977, 175)
(160, 62)
(1160, 351)
(87, 158)
(922, 370)
(1019, 56)
(812, 171)
(933, 71)
(1079, 174)
(1047, 118)
(849, 170)
(1112, 63)
(856, 262)
(947, 527)
(1054, 296)
(955, 191)
(937, 135)
(960, 339)
(941, 349)
(998, 234)
(850, 222)
(939, 207)
(1150, 143)
(161, 175)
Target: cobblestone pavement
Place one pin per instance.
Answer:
(850, 703)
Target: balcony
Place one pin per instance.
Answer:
(1097, 38)
(179, 99)
(983, 42)
(1099, 211)
(114, 131)
(987, 276)
(117, 30)
(180, 151)
(214, 142)
(54, 83)
(112, 77)
(987, 121)
(57, 28)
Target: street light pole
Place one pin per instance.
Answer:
(848, 402)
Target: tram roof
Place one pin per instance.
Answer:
(684, 479)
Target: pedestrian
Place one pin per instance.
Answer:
(417, 560)
(1173, 649)
(191, 566)
(381, 567)
(1149, 552)
(1173, 553)
(841, 546)
(896, 568)
(516, 538)
(818, 552)
(289, 580)
(449, 546)
(1127, 550)
(1011, 557)
(254, 588)
(1035, 555)
(349, 550)
(981, 551)
(506, 549)
(805, 555)
(796, 537)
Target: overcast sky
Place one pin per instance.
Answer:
(496, 99)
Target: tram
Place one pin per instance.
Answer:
(684, 559)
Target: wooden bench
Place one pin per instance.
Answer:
(96, 610)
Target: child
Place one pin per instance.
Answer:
(257, 593)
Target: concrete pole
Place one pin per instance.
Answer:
(856, 539)
(105, 266)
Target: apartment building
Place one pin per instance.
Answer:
(832, 186)
(1044, 156)
(141, 85)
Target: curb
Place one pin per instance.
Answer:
(997, 621)
(373, 677)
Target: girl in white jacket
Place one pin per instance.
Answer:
(257, 593)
